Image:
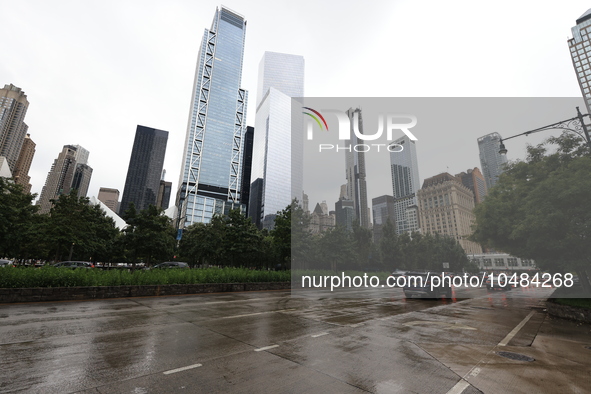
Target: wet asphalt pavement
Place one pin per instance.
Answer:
(272, 342)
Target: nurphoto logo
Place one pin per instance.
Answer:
(387, 122)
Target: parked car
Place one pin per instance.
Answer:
(172, 264)
(74, 264)
(418, 284)
(6, 263)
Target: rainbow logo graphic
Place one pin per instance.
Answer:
(315, 118)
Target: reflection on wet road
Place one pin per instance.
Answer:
(275, 342)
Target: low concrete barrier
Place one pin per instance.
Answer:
(36, 294)
(568, 312)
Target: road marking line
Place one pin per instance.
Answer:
(265, 348)
(245, 315)
(514, 332)
(459, 387)
(463, 383)
(258, 313)
(319, 335)
(181, 369)
(356, 325)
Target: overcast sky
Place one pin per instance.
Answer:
(94, 70)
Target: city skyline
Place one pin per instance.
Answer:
(444, 130)
(112, 61)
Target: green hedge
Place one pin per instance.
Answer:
(66, 277)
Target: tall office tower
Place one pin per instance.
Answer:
(491, 161)
(281, 77)
(109, 197)
(580, 52)
(355, 171)
(445, 207)
(404, 168)
(145, 167)
(214, 145)
(474, 180)
(23, 164)
(13, 108)
(384, 209)
(66, 174)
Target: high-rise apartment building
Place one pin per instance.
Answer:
(13, 108)
(404, 168)
(145, 168)
(474, 180)
(580, 52)
(210, 179)
(23, 164)
(109, 197)
(445, 207)
(491, 161)
(69, 171)
(355, 170)
(281, 77)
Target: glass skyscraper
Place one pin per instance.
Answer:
(491, 160)
(281, 77)
(210, 179)
(580, 52)
(404, 168)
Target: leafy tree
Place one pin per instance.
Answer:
(281, 234)
(541, 208)
(17, 217)
(149, 235)
(242, 240)
(301, 241)
(76, 227)
(335, 251)
(390, 248)
(232, 240)
(362, 242)
(202, 243)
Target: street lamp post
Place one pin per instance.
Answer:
(576, 125)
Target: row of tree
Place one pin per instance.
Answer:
(75, 229)
(78, 230)
(339, 250)
(541, 208)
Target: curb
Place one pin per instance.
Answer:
(568, 312)
(37, 294)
